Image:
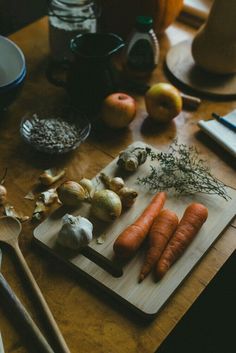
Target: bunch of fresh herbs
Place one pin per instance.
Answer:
(181, 169)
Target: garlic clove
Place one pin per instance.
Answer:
(50, 176)
(127, 196)
(114, 184)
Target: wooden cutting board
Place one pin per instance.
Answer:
(97, 261)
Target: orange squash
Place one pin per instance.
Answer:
(118, 16)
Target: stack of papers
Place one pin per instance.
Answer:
(195, 12)
(220, 133)
(198, 8)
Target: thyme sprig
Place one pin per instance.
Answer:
(182, 169)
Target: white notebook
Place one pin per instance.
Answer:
(198, 8)
(220, 133)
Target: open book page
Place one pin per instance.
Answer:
(195, 12)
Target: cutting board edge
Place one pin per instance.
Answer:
(95, 281)
(147, 314)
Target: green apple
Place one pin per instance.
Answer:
(163, 102)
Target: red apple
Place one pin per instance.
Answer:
(118, 110)
(163, 102)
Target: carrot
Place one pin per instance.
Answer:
(128, 242)
(194, 217)
(161, 230)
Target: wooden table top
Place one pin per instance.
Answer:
(89, 319)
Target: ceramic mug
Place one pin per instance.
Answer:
(90, 76)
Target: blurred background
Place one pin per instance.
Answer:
(15, 14)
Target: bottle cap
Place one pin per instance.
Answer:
(144, 23)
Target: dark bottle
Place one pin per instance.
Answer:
(141, 52)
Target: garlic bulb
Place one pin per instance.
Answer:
(76, 232)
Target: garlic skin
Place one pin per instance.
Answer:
(76, 232)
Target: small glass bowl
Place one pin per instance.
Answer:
(50, 140)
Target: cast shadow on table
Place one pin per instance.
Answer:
(42, 160)
(142, 125)
(216, 148)
(150, 128)
(102, 133)
(92, 287)
(209, 325)
(25, 337)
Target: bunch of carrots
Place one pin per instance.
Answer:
(167, 237)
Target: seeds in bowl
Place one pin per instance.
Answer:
(53, 134)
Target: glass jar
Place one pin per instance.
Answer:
(67, 18)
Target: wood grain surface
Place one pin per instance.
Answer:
(89, 319)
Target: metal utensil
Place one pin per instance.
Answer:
(10, 229)
(21, 313)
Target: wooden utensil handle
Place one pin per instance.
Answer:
(62, 346)
(190, 102)
(19, 310)
(1, 345)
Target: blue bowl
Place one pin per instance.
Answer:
(12, 71)
(14, 84)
